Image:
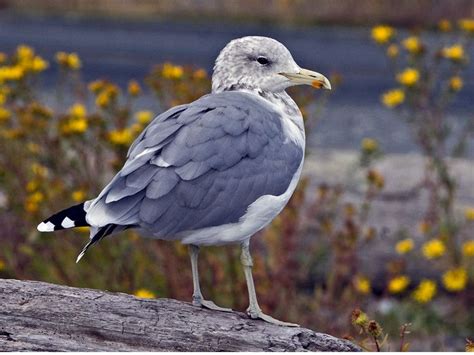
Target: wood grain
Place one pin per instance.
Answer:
(41, 316)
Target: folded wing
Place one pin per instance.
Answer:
(200, 165)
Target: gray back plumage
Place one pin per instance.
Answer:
(200, 165)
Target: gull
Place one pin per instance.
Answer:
(215, 171)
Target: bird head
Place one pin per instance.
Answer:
(261, 63)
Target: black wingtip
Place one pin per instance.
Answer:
(74, 216)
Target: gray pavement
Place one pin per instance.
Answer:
(400, 206)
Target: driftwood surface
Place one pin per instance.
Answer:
(41, 316)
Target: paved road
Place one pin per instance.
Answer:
(124, 50)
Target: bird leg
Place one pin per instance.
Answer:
(254, 310)
(198, 300)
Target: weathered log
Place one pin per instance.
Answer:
(41, 316)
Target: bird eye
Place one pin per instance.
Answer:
(263, 60)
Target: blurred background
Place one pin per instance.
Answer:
(377, 244)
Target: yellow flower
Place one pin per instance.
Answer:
(68, 60)
(16, 72)
(136, 128)
(455, 279)
(105, 93)
(433, 249)
(425, 291)
(171, 71)
(444, 25)
(144, 117)
(369, 145)
(468, 248)
(78, 111)
(75, 125)
(39, 170)
(74, 62)
(382, 34)
(404, 246)
(362, 285)
(392, 50)
(455, 52)
(24, 52)
(12, 73)
(32, 185)
(469, 213)
(27, 60)
(398, 284)
(78, 125)
(455, 83)
(144, 293)
(39, 64)
(96, 86)
(78, 195)
(393, 98)
(3, 57)
(61, 58)
(121, 137)
(408, 77)
(36, 197)
(103, 99)
(359, 318)
(4, 114)
(466, 24)
(200, 74)
(112, 89)
(375, 178)
(412, 44)
(134, 88)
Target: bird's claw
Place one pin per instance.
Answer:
(199, 302)
(258, 314)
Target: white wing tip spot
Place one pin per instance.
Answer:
(45, 227)
(67, 223)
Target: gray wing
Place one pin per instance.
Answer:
(200, 165)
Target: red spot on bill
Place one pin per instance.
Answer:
(317, 84)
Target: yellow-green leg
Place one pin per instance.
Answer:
(254, 310)
(198, 300)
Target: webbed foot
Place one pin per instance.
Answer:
(258, 314)
(199, 302)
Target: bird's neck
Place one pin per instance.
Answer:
(280, 99)
(291, 115)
